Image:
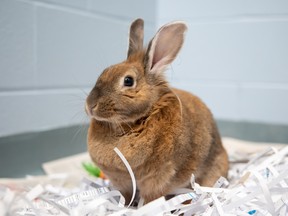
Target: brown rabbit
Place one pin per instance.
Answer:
(165, 134)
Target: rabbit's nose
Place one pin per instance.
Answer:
(89, 109)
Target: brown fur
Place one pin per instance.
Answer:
(165, 134)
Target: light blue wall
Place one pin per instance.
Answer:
(51, 51)
(235, 56)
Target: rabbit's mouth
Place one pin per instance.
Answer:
(101, 114)
(112, 117)
(94, 112)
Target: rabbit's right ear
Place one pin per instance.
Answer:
(136, 37)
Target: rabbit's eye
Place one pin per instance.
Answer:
(128, 81)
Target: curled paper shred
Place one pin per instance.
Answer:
(130, 172)
(256, 187)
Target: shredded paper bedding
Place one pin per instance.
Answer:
(257, 184)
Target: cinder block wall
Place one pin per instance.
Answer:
(235, 56)
(51, 51)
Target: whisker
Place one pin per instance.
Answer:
(120, 127)
(81, 131)
(110, 128)
(84, 92)
(126, 123)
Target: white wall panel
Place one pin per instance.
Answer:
(126, 9)
(17, 56)
(264, 103)
(77, 4)
(73, 49)
(40, 110)
(243, 52)
(186, 9)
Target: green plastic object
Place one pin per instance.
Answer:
(92, 169)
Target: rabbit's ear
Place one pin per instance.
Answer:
(136, 36)
(164, 47)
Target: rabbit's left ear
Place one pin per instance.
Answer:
(164, 47)
(136, 35)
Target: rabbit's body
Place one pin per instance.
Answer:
(165, 134)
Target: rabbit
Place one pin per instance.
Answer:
(166, 134)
